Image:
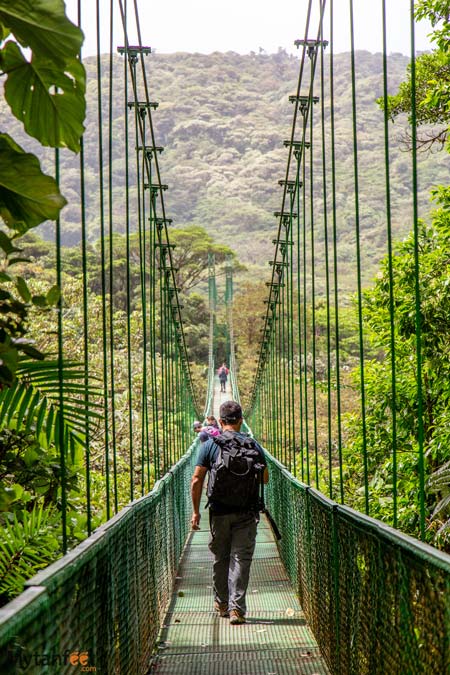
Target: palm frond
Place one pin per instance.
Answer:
(440, 479)
(25, 547)
(51, 401)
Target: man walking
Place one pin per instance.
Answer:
(232, 525)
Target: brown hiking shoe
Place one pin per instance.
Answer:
(236, 617)
(222, 609)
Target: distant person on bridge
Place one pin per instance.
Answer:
(208, 430)
(211, 420)
(197, 426)
(211, 428)
(223, 376)
(234, 516)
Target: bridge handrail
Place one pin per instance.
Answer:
(108, 595)
(371, 594)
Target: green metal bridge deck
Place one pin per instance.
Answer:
(276, 638)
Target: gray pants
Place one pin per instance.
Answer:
(232, 541)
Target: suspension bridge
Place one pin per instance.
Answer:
(342, 592)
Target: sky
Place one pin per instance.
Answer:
(242, 26)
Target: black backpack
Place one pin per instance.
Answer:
(237, 472)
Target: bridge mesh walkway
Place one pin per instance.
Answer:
(275, 640)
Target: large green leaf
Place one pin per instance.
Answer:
(26, 545)
(50, 102)
(33, 401)
(43, 26)
(27, 196)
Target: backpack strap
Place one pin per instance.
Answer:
(214, 439)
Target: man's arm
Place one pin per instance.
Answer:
(196, 494)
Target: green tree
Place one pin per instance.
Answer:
(190, 255)
(432, 80)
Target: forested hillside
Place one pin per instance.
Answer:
(222, 119)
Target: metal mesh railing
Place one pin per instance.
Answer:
(102, 604)
(378, 601)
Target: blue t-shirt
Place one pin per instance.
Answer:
(206, 457)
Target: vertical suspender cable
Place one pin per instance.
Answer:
(298, 185)
(111, 255)
(305, 318)
(172, 435)
(139, 119)
(391, 275)
(103, 266)
(420, 428)
(60, 414)
(162, 261)
(128, 276)
(327, 267)
(87, 455)
(358, 263)
(335, 259)
(292, 436)
(153, 364)
(313, 271)
(145, 159)
(282, 355)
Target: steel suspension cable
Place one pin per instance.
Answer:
(313, 269)
(337, 338)
(128, 306)
(84, 239)
(417, 302)
(358, 262)
(304, 312)
(298, 186)
(390, 268)
(60, 414)
(154, 189)
(291, 388)
(103, 260)
(111, 254)
(327, 270)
